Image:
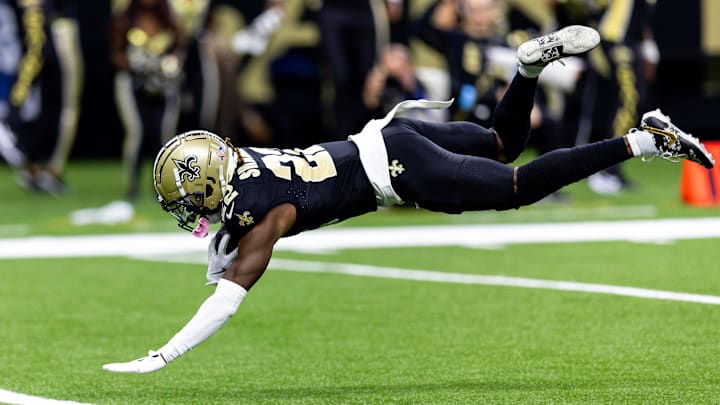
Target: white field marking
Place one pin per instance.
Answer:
(458, 278)
(560, 213)
(328, 240)
(9, 397)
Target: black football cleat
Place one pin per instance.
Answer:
(673, 143)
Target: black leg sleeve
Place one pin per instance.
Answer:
(512, 116)
(556, 169)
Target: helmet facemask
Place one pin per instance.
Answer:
(185, 212)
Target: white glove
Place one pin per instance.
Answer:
(152, 362)
(218, 259)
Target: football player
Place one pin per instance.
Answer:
(261, 195)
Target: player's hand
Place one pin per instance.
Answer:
(218, 259)
(152, 362)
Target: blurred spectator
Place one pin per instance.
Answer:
(147, 52)
(240, 35)
(465, 31)
(44, 99)
(392, 80)
(398, 17)
(267, 64)
(462, 31)
(66, 38)
(199, 94)
(351, 35)
(11, 49)
(527, 19)
(615, 87)
(294, 69)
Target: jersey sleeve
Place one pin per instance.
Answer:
(246, 208)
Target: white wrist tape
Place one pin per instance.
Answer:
(210, 317)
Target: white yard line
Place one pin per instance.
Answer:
(9, 397)
(332, 239)
(456, 278)
(461, 278)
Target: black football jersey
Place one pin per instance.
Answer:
(326, 183)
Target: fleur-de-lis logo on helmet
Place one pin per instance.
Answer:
(188, 168)
(191, 175)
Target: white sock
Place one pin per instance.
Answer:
(642, 143)
(528, 71)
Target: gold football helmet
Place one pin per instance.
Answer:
(191, 173)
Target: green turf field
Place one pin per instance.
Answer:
(328, 338)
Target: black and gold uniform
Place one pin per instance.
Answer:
(445, 167)
(34, 96)
(45, 96)
(325, 182)
(433, 165)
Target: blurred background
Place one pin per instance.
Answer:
(92, 270)
(112, 80)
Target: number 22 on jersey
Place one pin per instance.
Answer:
(312, 165)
